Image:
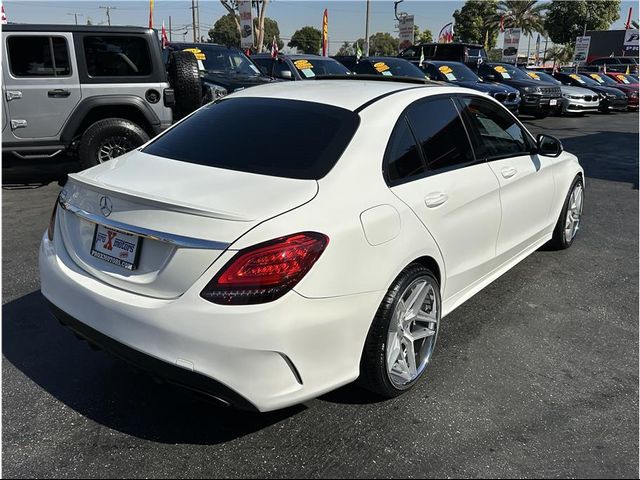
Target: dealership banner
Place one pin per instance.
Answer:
(405, 27)
(510, 44)
(631, 42)
(246, 23)
(582, 49)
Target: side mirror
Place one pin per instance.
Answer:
(549, 146)
(285, 75)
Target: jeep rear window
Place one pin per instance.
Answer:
(268, 136)
(117, 56)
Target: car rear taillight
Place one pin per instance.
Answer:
(52, 222)
(266, 271)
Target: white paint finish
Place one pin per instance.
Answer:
(454, 218)
(380, 224)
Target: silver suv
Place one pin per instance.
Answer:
(86, 91)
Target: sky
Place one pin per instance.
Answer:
(346, 17)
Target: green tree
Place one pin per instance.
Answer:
(346, 49)
(566, 20)
(560, 53)
(381, 43)
(271, 29)
(306, 40)
(225, 31)
(477, 22)
(425, 36)
(527, 15)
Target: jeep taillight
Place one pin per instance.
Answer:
(266, 271)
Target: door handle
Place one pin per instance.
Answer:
(13, 95)
(508, 172)
(435, 199)
(58, 93)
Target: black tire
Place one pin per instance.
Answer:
(559, 240)
(373, 365)
(123, 134)
(184, 77)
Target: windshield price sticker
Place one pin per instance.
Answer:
(197, 52)
(447, 71)
(382, 67)
(303, 64)
(533, 75)
(597, 77)
(502, 71)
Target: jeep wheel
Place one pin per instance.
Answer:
(184, 77)
(107, 139)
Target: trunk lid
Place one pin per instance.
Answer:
(185, 214)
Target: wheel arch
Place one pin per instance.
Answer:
(128, 107)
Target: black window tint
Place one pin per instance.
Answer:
(296, 139)
(439, 129)
(403, 158)
(266, 63)
(497, 134)
(38, 56)
(280, 66)
(117, 56)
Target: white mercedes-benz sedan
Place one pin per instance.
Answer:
(294, 237)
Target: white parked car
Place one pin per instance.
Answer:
(294, 237)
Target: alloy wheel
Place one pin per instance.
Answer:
(574, 212)
(412, 333)
(113, 147)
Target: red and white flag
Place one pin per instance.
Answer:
(446, 34)
(4, 17)
(274, 48)
(165, 40)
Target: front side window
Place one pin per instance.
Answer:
(38, 56)
(497, 134)
(117, 56)
(216, 136)
(441, 134)
(403, 157)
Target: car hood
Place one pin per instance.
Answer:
(233, 82)
(575, 90)
(526, 83)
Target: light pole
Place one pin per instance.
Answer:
(366, 31)
(76, 15)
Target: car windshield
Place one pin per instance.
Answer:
(316, 67)
(223, 60)
(456, 72)
(477, 52)
(296, 139)
(584, 79)
(624, 78)
(602, 79)
(541, 76)
(509, 71)
(396, 67)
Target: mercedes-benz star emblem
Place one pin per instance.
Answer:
(106, 207)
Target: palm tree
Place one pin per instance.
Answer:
(560, 54)
(525, 14)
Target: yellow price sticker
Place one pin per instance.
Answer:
(533, 75)
(303, 64)
(381, 67)
(500, 69)
(199, 54)
(445, 69)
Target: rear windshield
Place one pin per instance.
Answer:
(268, 136)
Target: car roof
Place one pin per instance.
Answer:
(349, 94)
(200, 45)
(31, 27)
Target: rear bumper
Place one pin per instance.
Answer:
(257, 357)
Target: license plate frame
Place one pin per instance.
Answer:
(116, 260)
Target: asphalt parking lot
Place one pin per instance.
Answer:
(536, 376)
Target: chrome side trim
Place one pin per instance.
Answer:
(177, 240)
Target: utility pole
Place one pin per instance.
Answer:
(544, 57)
(108, 9)
(193, 17)
(170, 28)
(366, 31)
(198, 18)
(76, 15)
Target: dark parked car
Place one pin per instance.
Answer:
(610, 98)
(388, 66)
(630, 90)
(614, 64)
(223, 70)
(470, 54)
(459, 74)
(538, 98)
(298, 67)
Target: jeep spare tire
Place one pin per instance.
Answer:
(184, 77)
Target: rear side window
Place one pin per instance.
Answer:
(403, 157)
(38, 56)
(496, 133)
(439, 130)
(295, 139)
(117, 56)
